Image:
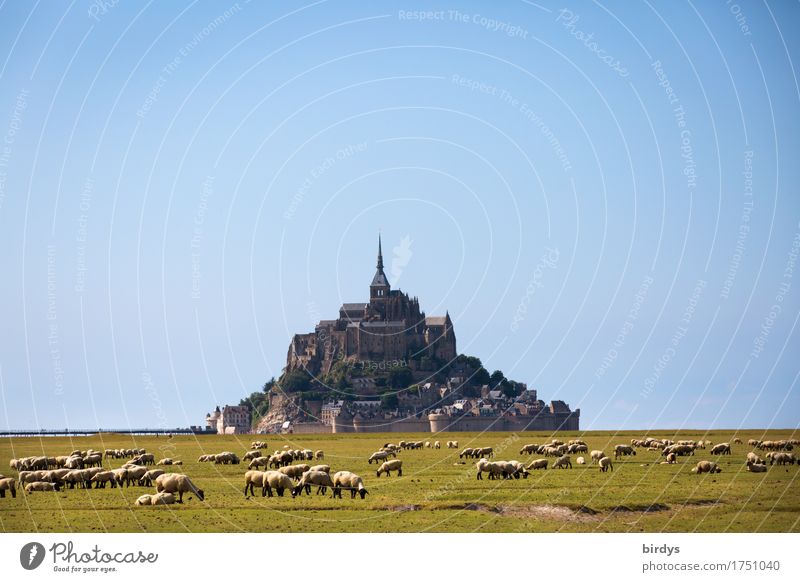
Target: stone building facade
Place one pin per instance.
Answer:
(390, 327)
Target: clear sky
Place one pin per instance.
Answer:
(603, 195)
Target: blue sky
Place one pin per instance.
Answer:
(604, 197)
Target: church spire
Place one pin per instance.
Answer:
(380, 253)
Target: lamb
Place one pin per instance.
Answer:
(294, 471)
(537, 464)
(351, 481)
(321, 479)
(672, 459)
(563, 462)
(319, 455)
(277, 480)
(41, 486)
(148, 478)
(427, 444)
(580, 461)
(721, 449)
(756, 467)
(596, 455)
(706, 467)
(605, 464)
(8, 484)
(389, 466)
(144, 500)
(177, 483)
(623, 451)
(380, 456)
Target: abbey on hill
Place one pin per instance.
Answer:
(388, 328)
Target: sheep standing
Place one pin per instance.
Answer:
(623, 451)
(537, 464)
(351, 481)
(596, 455)
(278, 481)
(253, 478)
(177, 483)
(437, 445)
(389, 466)
(721, 449)
(294, 471)
(605, 464)
(319, 455)
(563, 462)
(8, 484)
(321, 479)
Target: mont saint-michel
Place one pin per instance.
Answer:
(384, 365)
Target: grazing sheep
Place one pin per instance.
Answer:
(596, 455)
(706, 467)
(737, 441)
(135, 474)
(104, 477)
(389, 466)
(537, 464)
(350, 481)
(671, 459)
(294, 471)
(563, 462)
(623, 451)
(259, 462)
(177, 483)
(437, 445)
(483, 467)
(380, 456)
(8, 484)
(148, 478)
(468, 452)
(452, 444)
(721, 449)
(319, 455)
(206, 458)
(226, 458)
(427, 444)
(253, 478)
(486, 452)
(41, 486)
(144, 459)
(782, 459)
(528, 449)
(753, 442)
(321, 479)
(580, 461)
(250, 455)
(756, 467)
(605, 464)
(278, 481)
(323, 468)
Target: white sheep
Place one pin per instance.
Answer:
(319, 455)
(580, 461)
(562, 462)
(321, 479)
(605, 464)
(706, 467)
(437, 445)
(259, 462)
(483, 467)
(389, 466)
(756, 467)
(41, 486)
(252, 479)
(100, 479)
(323, 468)
(537, 464)
(177, 483)
(144, 500)
(8, 484)
(150, 476)
(380, 456)
(623, 451)
(350, 481)
(278, 481)
(294, 471)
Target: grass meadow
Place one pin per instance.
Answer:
(438, 492)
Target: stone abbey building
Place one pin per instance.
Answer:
(388, 328)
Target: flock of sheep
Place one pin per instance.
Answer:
(286, 470)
